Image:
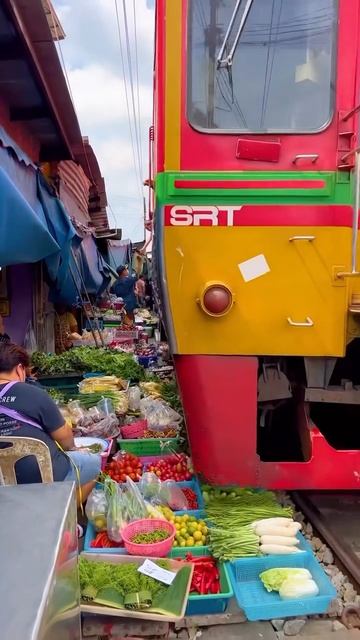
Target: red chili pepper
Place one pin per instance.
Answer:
(206, 577)
(102, 541)
(191, 498)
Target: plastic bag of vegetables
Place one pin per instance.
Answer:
(134, 398)
(134, 503)
(158, 413)
(96, 509)
(115, 520)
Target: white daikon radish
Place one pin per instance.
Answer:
(271, 530)
(277, 549)
(293, 588)
(281, 540)
(282, 522)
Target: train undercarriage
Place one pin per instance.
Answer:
(280, 423)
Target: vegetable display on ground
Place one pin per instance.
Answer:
(122, 586)
(88, 359)
(291, 583)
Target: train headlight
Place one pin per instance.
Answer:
(216, 299)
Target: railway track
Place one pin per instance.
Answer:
(336, 517)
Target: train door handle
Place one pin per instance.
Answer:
(308, 238)
(308, 323)
(312, 157)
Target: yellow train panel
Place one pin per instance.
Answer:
(270, 306)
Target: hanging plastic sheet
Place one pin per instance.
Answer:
(61, 229)
(119, 252)
(96, 272)
(14, 149)
(24, 234)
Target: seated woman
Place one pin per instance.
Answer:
(27, 411)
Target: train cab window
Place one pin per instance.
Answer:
(261, 66)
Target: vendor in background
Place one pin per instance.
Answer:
(124, 288)
(3, 336)
(66, 329)
(29, 412)
(140, 291)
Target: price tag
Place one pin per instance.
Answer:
(153, 571)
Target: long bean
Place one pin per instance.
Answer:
(226, 545)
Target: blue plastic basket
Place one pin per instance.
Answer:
(147, 361)
(213, 602)
(258, 604)
(90, 535)
(195, 486)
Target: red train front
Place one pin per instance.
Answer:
(257, 178)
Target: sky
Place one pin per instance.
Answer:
(92, 58)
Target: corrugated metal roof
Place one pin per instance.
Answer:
(76, 182)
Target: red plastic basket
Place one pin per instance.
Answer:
(155, 550)
(134, 430)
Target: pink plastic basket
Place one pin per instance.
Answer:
(134, 430)
(155, 550)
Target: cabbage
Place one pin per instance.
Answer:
(273, 579)
(298, 588)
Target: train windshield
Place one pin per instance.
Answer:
(261, 65)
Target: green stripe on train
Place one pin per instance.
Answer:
(337, 189)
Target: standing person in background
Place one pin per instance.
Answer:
(66, 329)
(3, 336)
(140, 291)
(124, 288)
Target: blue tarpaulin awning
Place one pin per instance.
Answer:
(34, 226)
(24, 235)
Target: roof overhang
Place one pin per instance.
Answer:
(32, 80)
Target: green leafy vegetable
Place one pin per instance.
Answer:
(272, 579)
(121, 586)
(89, 359)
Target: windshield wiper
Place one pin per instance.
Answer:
(227, 61)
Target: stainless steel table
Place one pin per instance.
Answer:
(39, 587)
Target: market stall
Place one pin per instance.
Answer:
(160, 543)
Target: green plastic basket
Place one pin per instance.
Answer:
(149, 446)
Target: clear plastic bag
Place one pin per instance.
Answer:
(150, 487)
(76, 411)
(158, 413)
(134, 502)
(105, 406)
(134, 398)
(164, 493)
(108, 427)
(172, 495)
(115, 521)
(96, 509)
